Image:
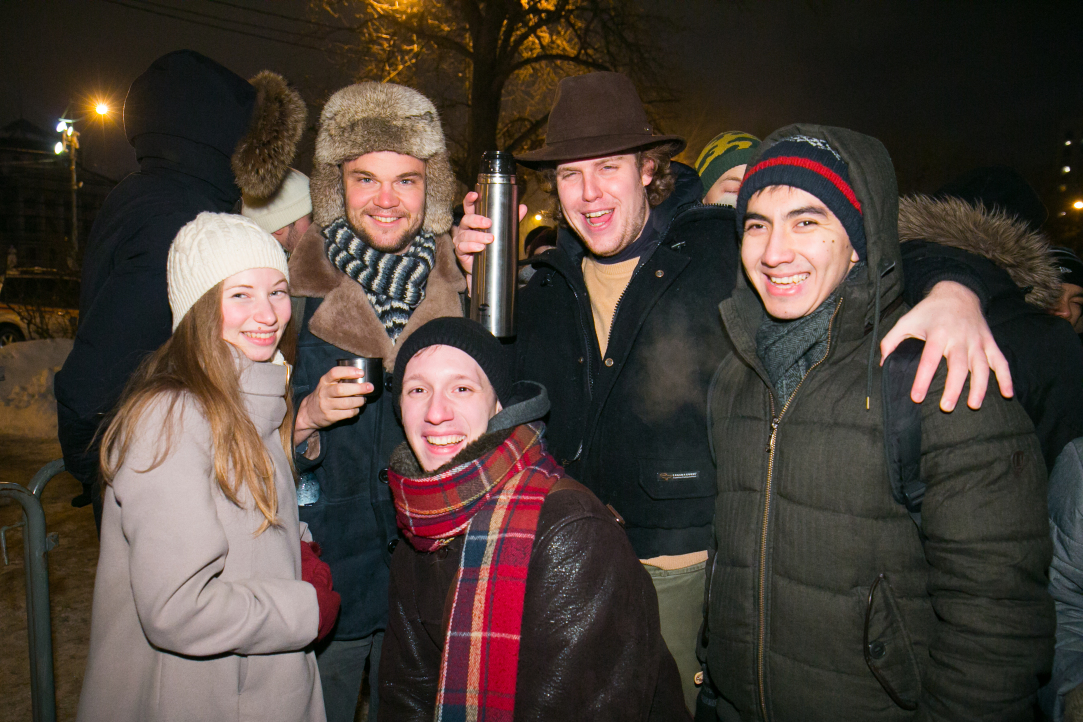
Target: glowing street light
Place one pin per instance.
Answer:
(101, 109)
(1078, 205)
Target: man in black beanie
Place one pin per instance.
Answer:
(517, 594)
(202, 135)
(1069, 304)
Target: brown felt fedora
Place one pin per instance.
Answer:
(594, 115)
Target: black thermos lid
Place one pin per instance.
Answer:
(497, 162)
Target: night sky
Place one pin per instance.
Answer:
(947, 85)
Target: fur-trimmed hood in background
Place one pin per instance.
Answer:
(372, 117)
(263, 156)
(192, 111)
(993, 234)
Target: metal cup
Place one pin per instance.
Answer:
(373, 369)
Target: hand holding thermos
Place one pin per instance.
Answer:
(490, 231)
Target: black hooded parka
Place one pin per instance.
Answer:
(184, 116)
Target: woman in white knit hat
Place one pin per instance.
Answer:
(206, 600)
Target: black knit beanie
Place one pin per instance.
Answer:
(467, 336)
(813, 166)
(1069, 265)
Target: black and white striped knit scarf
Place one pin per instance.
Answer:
(394, 284)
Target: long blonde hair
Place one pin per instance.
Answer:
(197, 361)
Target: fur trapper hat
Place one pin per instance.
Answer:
(372, 117)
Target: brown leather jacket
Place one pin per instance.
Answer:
(591, 647)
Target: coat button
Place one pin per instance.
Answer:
(609, 362)
(580, 359)
(382, 476)
(387, 382)
(877, 650)
(659, 273)
(392, 545)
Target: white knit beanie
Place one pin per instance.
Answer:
(212, 248)
(290, 202)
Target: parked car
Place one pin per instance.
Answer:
(38, 303)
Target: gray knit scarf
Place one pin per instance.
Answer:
(394, 284)
(788, 349)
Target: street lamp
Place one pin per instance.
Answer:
(69, 141)
(1078, 205)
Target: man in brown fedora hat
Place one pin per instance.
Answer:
(620, 323)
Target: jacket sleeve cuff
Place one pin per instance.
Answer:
(926, 264)
(302, 462)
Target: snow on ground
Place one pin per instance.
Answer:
(27, 404)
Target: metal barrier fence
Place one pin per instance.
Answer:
(39, 627)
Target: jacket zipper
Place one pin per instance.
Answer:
(770, 450)
(612, 321)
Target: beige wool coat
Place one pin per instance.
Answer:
(195, 617)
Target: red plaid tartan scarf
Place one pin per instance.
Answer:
(497, 499)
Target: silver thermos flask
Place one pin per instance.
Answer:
(492, 286)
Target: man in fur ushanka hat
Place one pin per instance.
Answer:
(376, 264)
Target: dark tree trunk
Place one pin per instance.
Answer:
(486, 89)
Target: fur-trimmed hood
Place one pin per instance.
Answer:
(263, 156)
(372, 117)
(193, 111)
(347, 320)
(993, 234)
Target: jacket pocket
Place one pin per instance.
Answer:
(674, 479)
(889, 650)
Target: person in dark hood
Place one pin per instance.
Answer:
(517, 595)
(202, 135)
(620, 324)
(994, 215)
(826, 600)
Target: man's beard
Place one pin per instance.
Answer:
(397, 245)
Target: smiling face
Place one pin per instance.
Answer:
(385, 198)
(795, 250)
(447, 402)
(255, 311)
(605, 200)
